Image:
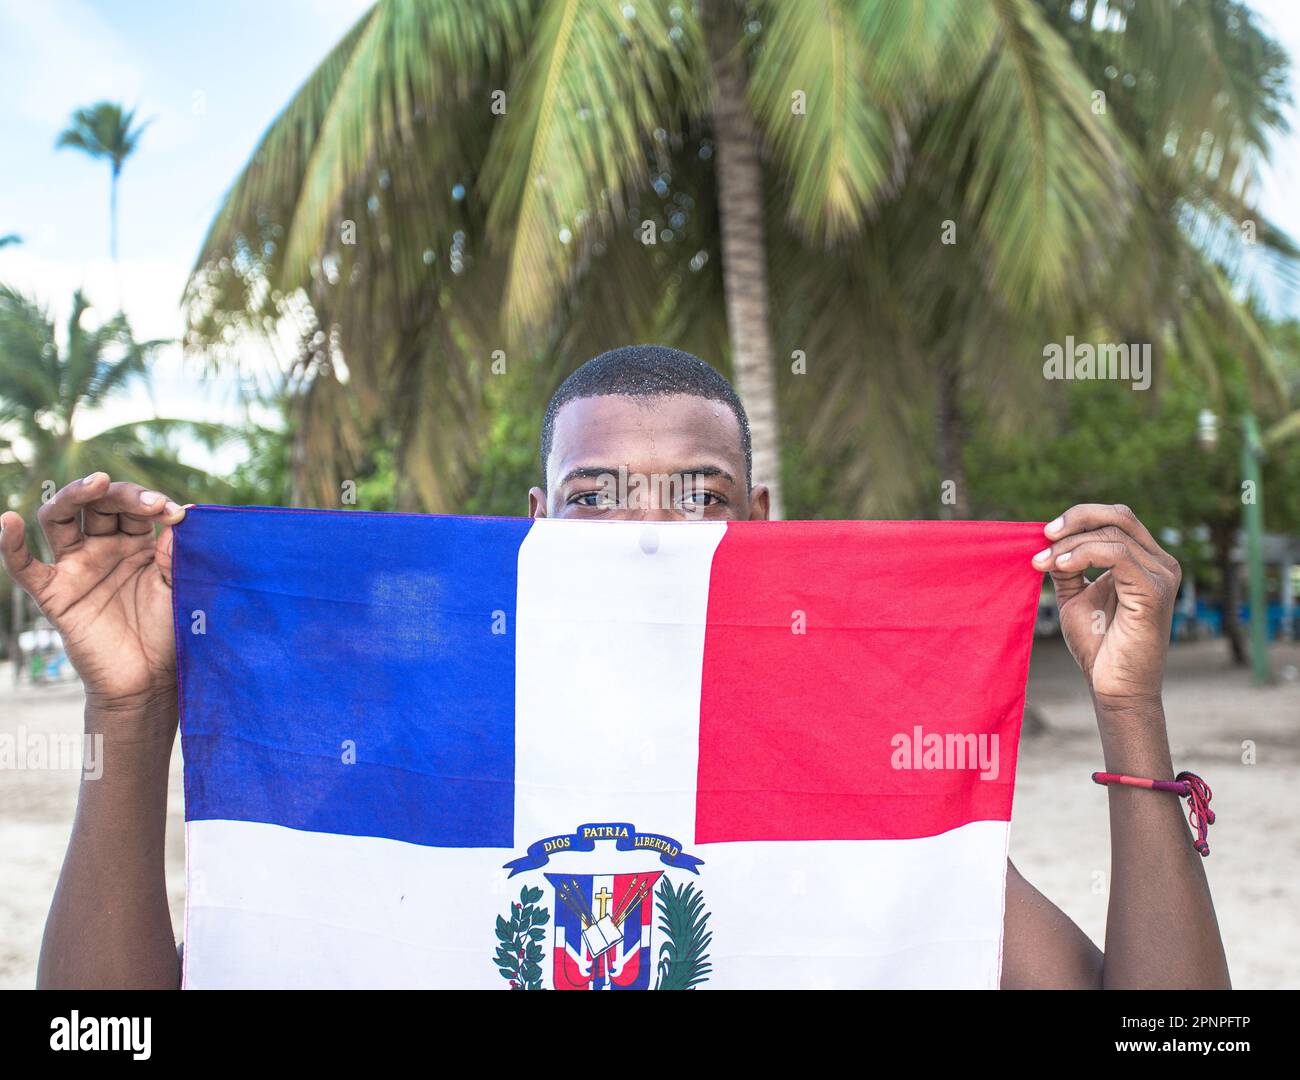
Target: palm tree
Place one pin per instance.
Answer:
(606, 108)
(1157, 267)
(46, 391)
(107, 131)
(587, 163)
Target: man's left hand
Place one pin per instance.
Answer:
(1116, 627)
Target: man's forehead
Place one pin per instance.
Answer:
(675, 430)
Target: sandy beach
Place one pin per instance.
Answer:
(1059, 834)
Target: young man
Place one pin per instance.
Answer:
(640, 412)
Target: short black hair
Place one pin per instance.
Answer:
(643, 371)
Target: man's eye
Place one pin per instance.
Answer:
(702, 498)
(592, 499)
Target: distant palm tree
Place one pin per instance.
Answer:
(105, 131)
(45, 390)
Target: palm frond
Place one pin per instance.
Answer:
(104, 130)
(596, 87)
(1286, 428)
(43, 391)
(841, 151)
(683, 961)
(1047, 183)
(921, 52)
(414, 66)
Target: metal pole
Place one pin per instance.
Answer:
(1253, 520)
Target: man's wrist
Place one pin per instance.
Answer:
(149, 716)
(1129, 709)
(1134, 739)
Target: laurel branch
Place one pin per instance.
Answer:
(519, 949)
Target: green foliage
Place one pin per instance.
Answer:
(105, 130)
(1105, 442)
(508, 464)
(519, 950)
(45, 389)
(683, 956)
(474, 232)
(264, 477)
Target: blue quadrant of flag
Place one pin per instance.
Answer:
(308, 659)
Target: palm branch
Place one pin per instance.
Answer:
(683, 961)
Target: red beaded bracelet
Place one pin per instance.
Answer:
(1187, 784)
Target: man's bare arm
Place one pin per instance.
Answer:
(1161, 929)
(107, 590)
(1042, 946)
(109, 925)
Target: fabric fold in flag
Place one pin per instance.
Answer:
(500, 753)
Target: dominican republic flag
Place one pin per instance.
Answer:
(501, 753)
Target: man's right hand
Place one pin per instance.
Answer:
(108, 592)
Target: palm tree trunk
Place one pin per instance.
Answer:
(951, 422)
(744, 250)
(405, 497)
(112, 217)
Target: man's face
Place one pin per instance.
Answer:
(676, 457)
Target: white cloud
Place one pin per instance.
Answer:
(148, 291)
(60, 56)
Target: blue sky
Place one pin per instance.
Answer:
(212, 76)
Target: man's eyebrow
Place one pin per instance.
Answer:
(708, 470)
(595, 472)
(588, 472)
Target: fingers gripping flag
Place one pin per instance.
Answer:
(476, 753)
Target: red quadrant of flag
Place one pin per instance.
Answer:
(828, 664)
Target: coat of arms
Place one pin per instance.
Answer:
(629, 929)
